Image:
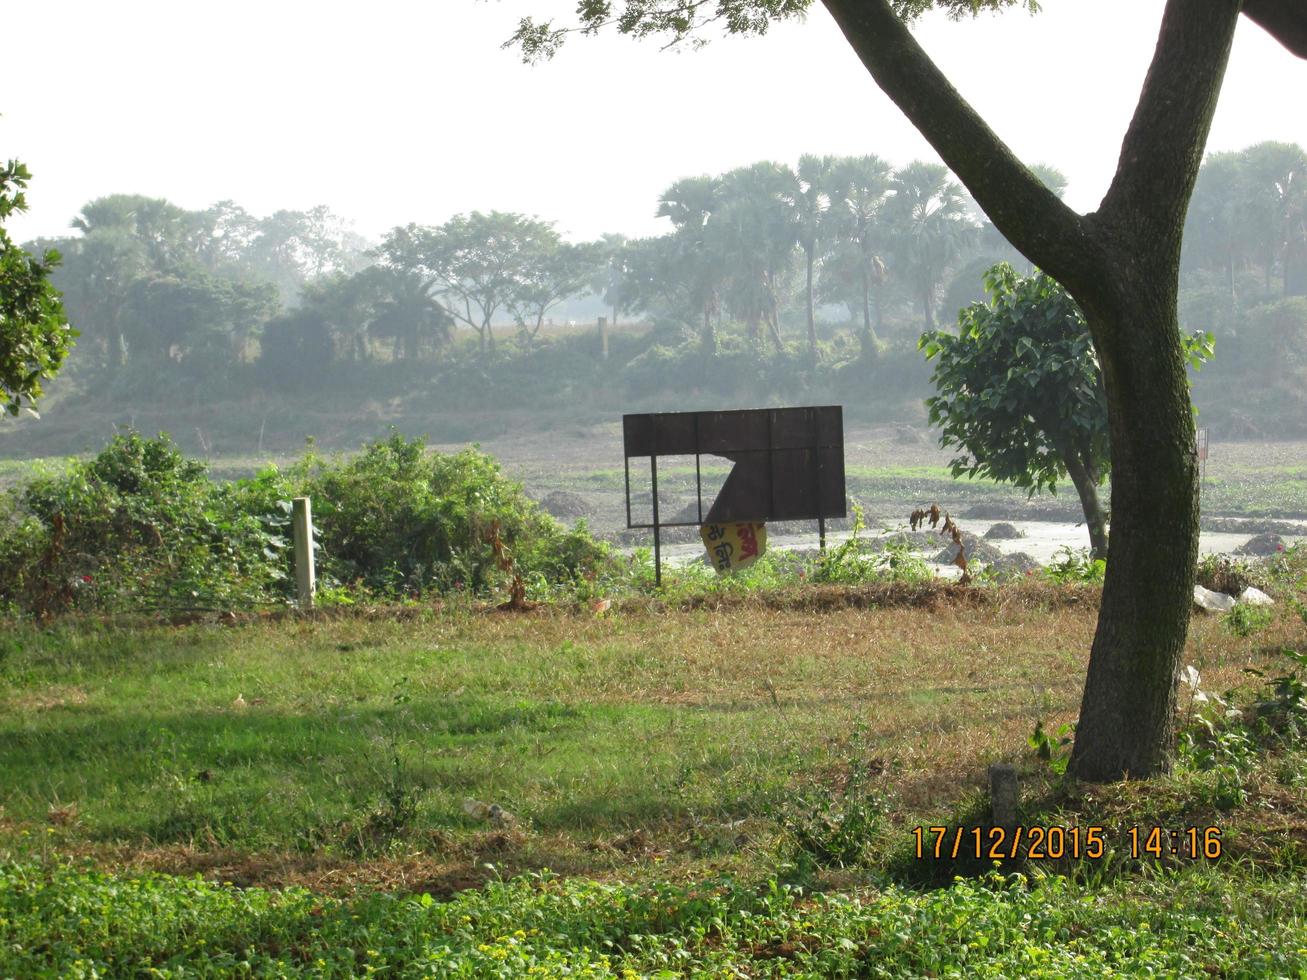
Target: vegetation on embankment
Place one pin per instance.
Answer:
(69, 922)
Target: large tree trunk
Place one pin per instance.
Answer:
(1121, 264)
(1128, 708)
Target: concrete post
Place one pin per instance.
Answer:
(1003, 794)
(302, 521)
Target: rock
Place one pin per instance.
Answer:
(976, 550)
(1262, 544)
(907, 436)
(689, 513)
(1253, 525)
(1255, 597)
(1015, 565)
(1209, 601)
(490, 812)
(564, 504)
(1003, 532)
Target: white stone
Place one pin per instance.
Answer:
(1210, 601)
(1255, 597)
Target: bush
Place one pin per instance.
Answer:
(1075, 565)
(1228, 574)
(141, 527)
(404, 521)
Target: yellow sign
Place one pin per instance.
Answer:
(732, 547)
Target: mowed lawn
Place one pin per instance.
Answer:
(274, 750)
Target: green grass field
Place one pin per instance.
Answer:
(725, 786)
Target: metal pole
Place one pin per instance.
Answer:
(698, 483)
(302, 526)
(658, 552)
(821, 533)
(653, 479)
(626, 465)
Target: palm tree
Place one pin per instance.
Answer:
(811, 202)
(690, 203)
(406, 308)
(929, 222)
(1274, 202)
(858, 188)
(754, 231)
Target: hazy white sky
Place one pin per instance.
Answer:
(395, 111)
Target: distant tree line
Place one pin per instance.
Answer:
(834, 261)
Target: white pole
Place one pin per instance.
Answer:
(302, 519)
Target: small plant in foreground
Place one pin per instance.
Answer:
(1245, 620)
(1074, 565)
(835, 826)
(1283, 712)
(1229, 743)
(1055, 749)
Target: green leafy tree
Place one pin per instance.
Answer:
(34, 333)
(669, 277)
(292, 248)
(611, 279)
(553, 272)
(1120, 262)
(1021, 391)
(478, 264)
(196, 319)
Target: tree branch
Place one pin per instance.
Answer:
(1164, 144)
(1028, 214)
(1284, 20)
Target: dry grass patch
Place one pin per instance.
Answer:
(637, 737)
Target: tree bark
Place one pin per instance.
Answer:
(1284, 20)
(1087, 489)
(1128, 706)
(1122, 265)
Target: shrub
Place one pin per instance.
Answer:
(1228, 574)
(402, 520)
(139, 526)
(1075, 565)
